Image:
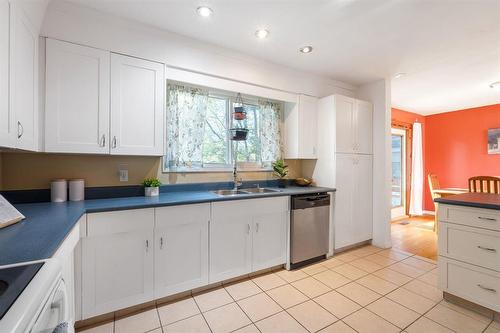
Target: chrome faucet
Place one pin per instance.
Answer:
(237, 181)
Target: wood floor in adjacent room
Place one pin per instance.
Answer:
(415, 235)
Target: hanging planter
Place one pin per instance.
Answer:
(239, 134)
(239, 112)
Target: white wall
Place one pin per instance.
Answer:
(85, 26)
(379, 93)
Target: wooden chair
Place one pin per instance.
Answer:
(484, 184)
(434, 185)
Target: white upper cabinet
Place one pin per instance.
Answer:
(7, 123)
(23, 78)
(77, 98)
(137, 106)
(301, 125)
(364, 127)
(354, 120)
(102, 103)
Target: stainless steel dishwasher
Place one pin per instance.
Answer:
(309, 231)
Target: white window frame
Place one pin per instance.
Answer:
(219, 167)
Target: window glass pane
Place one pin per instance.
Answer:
(397, 198)
(215, 140)
(248, 151)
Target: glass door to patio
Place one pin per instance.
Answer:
(398, 173)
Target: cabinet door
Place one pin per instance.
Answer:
(364, 127)
(7, 122)
(137, 106)
(269, 240)
(181, 248)
(117, 261)
(308, 126)
(362, 204)
(230, 240)
(24, 78)
(77, 99)
(343, 201)
(344, 112)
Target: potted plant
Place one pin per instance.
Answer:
(281, 171)
(151, 187)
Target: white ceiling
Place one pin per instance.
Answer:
(450, 49)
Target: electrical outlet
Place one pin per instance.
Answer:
(123, 172)
(124, 175)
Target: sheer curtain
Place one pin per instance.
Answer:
(270, 132)
(417, 178)
(186, 110)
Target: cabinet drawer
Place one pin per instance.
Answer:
(473, 245)
(185, 214)
(107, 223)
(474, 217)
(476, 284)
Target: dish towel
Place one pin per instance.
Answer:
(417, 172)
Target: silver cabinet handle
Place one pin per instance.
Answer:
(20, 130)
(256, 227)
(486, 288)
(248, 228)
(487, 218)
(147, 245)
(114, 141)
(161, 243)
(486, 248)
(103, 141)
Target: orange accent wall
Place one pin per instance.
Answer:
(457, 147)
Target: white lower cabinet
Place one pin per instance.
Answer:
(353, 200)
(469, 263)
(135, 256)
(181, 248)
(117, 260)
(246, 236)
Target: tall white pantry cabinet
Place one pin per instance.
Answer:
(345, 161)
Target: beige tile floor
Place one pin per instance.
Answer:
(364, 290)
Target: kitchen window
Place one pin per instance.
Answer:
(198, 138)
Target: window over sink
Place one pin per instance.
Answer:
(198, 136)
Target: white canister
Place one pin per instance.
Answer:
(58, 190)
(76, 190)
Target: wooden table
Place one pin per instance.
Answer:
(445, 192)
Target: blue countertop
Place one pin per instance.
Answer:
(47, 224)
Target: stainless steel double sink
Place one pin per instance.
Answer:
(245, 191)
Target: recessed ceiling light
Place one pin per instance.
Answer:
(261, 33)
(399, 75)
(204, 11)
(306, 49)
(495, 85)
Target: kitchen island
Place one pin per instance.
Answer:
(469, 248)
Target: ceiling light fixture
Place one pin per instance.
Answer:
(495, 85)
(261, 33)
(306, 49)
(204, 11)
(399, 75)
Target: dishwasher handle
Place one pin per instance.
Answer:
(310, 201)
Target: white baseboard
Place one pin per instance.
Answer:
(429, 212)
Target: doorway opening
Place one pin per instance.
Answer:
(398, 186)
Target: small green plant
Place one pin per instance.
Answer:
(151, 182)
(280, 168)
